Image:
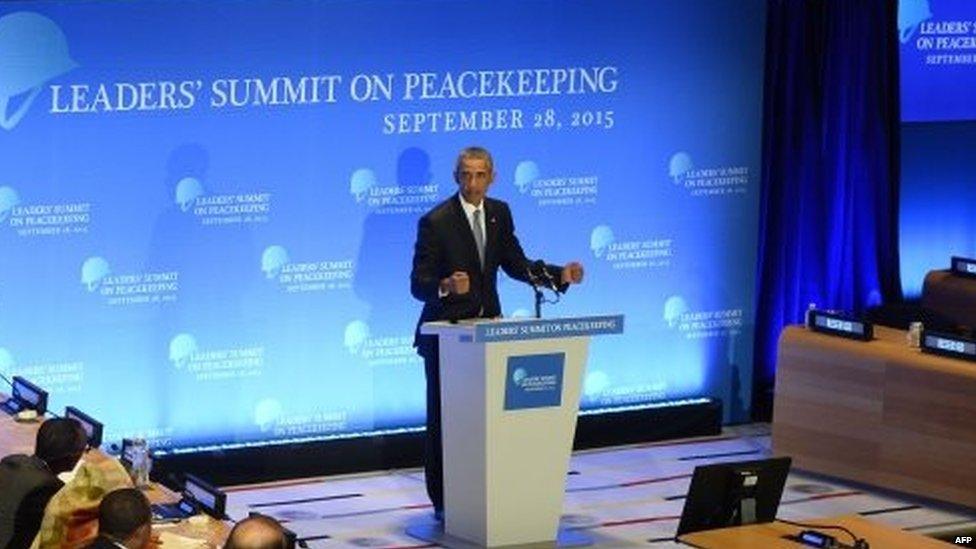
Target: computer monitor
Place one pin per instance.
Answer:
(732, 494)
(93, 428)
(25, 396)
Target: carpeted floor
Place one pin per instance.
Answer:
(625, 497)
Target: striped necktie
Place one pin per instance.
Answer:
(479, 236)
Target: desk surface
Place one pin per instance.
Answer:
(771, 535)
(877, 412)
(18, 438)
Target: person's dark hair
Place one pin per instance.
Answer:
(256, 532)
(122, 512)
(60, 443)
(473, 152)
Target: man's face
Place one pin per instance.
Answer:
(473, 177)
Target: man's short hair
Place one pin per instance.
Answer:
(256, 532)
(122, 512)
(59, 439)
(475, 152)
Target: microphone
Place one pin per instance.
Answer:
(549, 282)
(533, 279)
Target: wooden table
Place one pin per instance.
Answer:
(18, 438)
(772, 535)
(877, 412)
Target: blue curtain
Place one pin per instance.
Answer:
(828, 219)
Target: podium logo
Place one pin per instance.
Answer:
(601, 238)
(188, 190)
(526, 173)
(679, 167)
(9, 199)
(355, 337)
(674, 308)
(181, 350)
(273, 260)
(93, 272)
(519, 377)
(911, 14)
(361, 181)
(267, 413)
(7, 362)
(534, 381)
(33, 51)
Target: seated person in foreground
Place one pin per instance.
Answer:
(258, 532)
(27, 483)
(124, 521)
(71, 518)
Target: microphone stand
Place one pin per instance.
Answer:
(537, 288)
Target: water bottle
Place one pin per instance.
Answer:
(141, 463)
(915, 335)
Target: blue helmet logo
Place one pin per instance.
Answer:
(267, 413)
(188, 190)
(33, 51)
(93, 271)
(181, 349)
(361, 182)
(357, 332)
(674, 308)
(519, 375)
(600, 239)
(679, 166)
(8, 201)
(6, 362)
(273, 260)
(526, 174)
(911, 13)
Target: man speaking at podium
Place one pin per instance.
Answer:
(460, 245)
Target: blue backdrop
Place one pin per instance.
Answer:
(938, 82)
(207, 209)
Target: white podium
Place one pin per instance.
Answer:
(510, 393)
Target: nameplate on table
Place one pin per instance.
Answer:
(839, 325)
(949, 345)
(964, 266)
(516, 330)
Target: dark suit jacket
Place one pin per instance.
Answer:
(445, 244)
(26, 486)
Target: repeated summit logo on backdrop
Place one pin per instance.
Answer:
(183, 217)
(33, 51)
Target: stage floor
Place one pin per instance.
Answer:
(624, 496)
